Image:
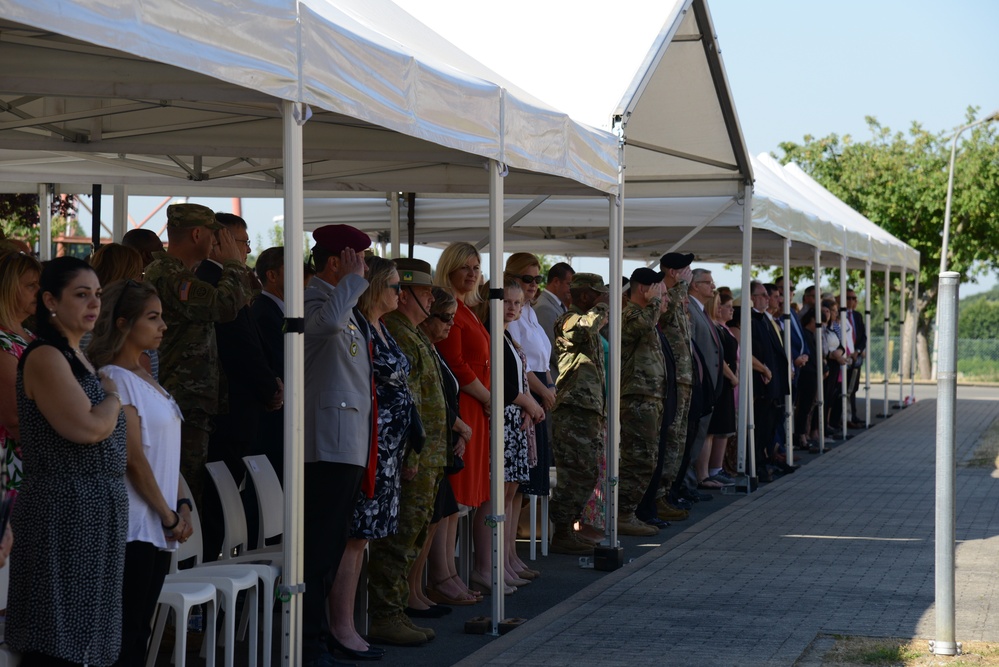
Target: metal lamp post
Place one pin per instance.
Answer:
(946, 230)
(944, 643)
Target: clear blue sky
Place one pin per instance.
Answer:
(795, 67)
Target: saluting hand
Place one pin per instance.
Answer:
(228, 249)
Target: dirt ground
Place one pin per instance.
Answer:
(842, 651)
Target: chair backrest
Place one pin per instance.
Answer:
(270, 497)
(232, 508)
(194, 546)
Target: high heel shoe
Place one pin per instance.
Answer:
(486, 588)
(373, 652)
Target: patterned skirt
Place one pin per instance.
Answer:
(514, 445)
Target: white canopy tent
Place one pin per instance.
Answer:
(275, 97)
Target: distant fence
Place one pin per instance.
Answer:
(977, 360)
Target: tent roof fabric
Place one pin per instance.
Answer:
(146, 94)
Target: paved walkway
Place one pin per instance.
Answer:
(845, 545)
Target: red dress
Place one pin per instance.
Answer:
(466, 351)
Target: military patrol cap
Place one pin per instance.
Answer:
(591, 280)
(645, 276)
(189, 216)
(676, 260)
(336, 238)
(413, 271)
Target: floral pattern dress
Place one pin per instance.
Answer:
(378, 517)
(10, 466)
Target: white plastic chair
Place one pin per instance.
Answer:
(181, 598)
(270, 498)
(229, 580)
(266, 563)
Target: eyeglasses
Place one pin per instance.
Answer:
(396, 286)
(851, 298)
(530, 280)
(443, 317)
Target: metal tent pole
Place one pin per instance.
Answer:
(395, 234)
(867, 357)
(820, 390)
(293, 116)
(844, 398)
(915, 324)
(789, 399)
(747, 452)
(886, 409)
(496, 343)
(614, 369)
(901, 338)
(44, 222)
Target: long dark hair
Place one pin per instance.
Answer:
(56, 275)
(125, 299)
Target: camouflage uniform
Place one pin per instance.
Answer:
(579, 420)
(643, 395)
(392, 557)
(676, 327)
(189, 366)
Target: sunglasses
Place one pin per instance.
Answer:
(528, 280)
(396, 286)
(443, 317)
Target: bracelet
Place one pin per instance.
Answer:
(115, 394)
(175, 523)
(185, 501)
(551, 386)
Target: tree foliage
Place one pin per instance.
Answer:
(899, 181)
(19, 215)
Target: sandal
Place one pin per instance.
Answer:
(708, 484)
(468, 591)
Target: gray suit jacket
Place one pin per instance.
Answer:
(701, 334)
(548, 308)
(337, 374)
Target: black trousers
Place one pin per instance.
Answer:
(331, 491)
(766, 414)
(145, 568)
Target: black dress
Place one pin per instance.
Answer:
(71, 522)
(723, 416)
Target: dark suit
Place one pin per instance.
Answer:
(246, 385)
(768, 397)
(853, 373)
(269, 318)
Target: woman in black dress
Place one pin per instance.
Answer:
(71, 515)
(722, 424)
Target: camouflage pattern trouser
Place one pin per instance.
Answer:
(578, 440)
(641, 419)
(193, 456)
(676, 440)
(391, 558)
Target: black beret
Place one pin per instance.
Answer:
(646, 276)
(676, 260)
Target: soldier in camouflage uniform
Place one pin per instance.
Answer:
(392, 557)
(579, 417)
(643, 393)
(676, 327)
(189, 367)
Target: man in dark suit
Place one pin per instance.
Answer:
(770, 384)
(248, 388)
(859, 354)
(267, 312)
(799, 346)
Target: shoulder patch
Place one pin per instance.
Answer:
(185, 289)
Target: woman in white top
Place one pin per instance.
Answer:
(131, 322)
(528, 333)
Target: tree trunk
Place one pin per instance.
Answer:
(923, 362)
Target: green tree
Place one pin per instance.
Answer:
(979, 319)
(899, 181)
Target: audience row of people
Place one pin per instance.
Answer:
(145, 364)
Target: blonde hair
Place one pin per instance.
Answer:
(380, 270)
(452, 259)
(519, 262)
(13, 265)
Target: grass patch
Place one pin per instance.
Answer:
(896, 652)
(986, 454)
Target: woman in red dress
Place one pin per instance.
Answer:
(466, 351)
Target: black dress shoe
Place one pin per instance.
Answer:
(436, 611)
(785, 468)
(373, 652)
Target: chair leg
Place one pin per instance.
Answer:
(180, 640)
(544, 525)
(210, 609)
(534, 526)
(159, 620)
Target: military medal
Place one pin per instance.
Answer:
(353, 348)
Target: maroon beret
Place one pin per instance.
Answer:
(335, 238)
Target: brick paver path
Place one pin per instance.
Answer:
(844, 545)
